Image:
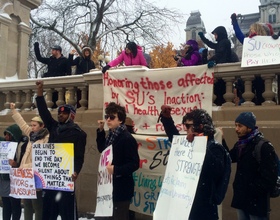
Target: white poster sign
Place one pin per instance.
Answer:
(104, 204)
(7, 151)
(181, 178)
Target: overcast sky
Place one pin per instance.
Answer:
(213, 12)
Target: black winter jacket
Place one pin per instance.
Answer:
(253, 181)
(68, 133)
(125, 161)
(222, 47)
(83, 65)
(203, 205)
(56, 67)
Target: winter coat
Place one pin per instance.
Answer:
(192, 56)
(64, 133)
(26, 161)
(253, 181)
(222, 47)
(125, 161)
(83, 64)
(203, 205)
(56, 67)
(129, 60)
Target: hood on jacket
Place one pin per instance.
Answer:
(221, 33)
(87, 48)
(14, 131)
(193, 44)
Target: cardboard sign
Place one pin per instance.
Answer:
(53, 166)
(104, 204)
(22, 183)
(7, 151)
(181, 178)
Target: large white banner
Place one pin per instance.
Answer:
(104, 203)
(143, 93)
(181, 178)
(260, 51)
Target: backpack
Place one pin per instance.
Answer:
(221, 184)
(257, 154)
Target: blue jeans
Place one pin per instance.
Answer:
(242, 215)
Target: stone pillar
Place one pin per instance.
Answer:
(49, 101)
(61, 94)
(72, 93)
(23, 50)
(18, 102)
(27, 104)
(228, 96)
(268, 93)
(83, 102)
(248, 95)
(5, 21)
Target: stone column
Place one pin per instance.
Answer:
(5, 21)
(27, 104)
(49, 101)
(61, 95)
(268, 93)
(18, 102)
(248, 95)
(23, 50)
(83, 102)
(228, 96)
(9, 95)
(72, 93)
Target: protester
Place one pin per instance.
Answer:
(58, 65)
(132, 55)
(39, 135)
(64, 130)
(125, 158)
(82, 63)
(204, 55)
(12, 206)
(190, 55)
(196, 123)
(253, 180)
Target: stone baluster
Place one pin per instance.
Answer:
(49, 101)
(61, 97)
(268, 94)
(72, 93)
(28, 102)
(18, 102)
(83, 102)
(9, 95)
(248, 95)
(228, 96)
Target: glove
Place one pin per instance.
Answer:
(211, 64)
(201, 34)
(166, 111)
(36, 44)
(233, 18)
(275, 36)
(105, 68)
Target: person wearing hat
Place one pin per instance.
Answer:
(12, 206)
(253, 180)
(37, 134)
(58, 65)
(62, 130)
(132, 55)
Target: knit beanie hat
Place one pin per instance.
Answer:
(247, 118)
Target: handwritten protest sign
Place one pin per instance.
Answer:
(104, 204)
(53, 166)
(181, 178)
(143, 93)
(22, 183)
(260, 51)
(7, 151)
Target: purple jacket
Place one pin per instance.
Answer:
(129, 60)
(192, 56)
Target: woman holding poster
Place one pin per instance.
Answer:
(37, 133)
(125, 158)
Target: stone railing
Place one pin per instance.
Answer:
(22, 92)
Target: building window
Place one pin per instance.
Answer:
(272, 18)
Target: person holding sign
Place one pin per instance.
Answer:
(199, 123)
(11, 206)
(37, 133)
(64, 130)
(125, 158)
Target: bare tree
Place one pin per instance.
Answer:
(112, 21)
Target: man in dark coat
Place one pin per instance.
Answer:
(198, 122)
(253, 180)
(64, 130)
(58, 65)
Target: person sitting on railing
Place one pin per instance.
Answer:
(190, 55)
(132, 55)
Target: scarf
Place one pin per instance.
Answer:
(35, 136)
(114, 134)
(243, 141)
(64, 126)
